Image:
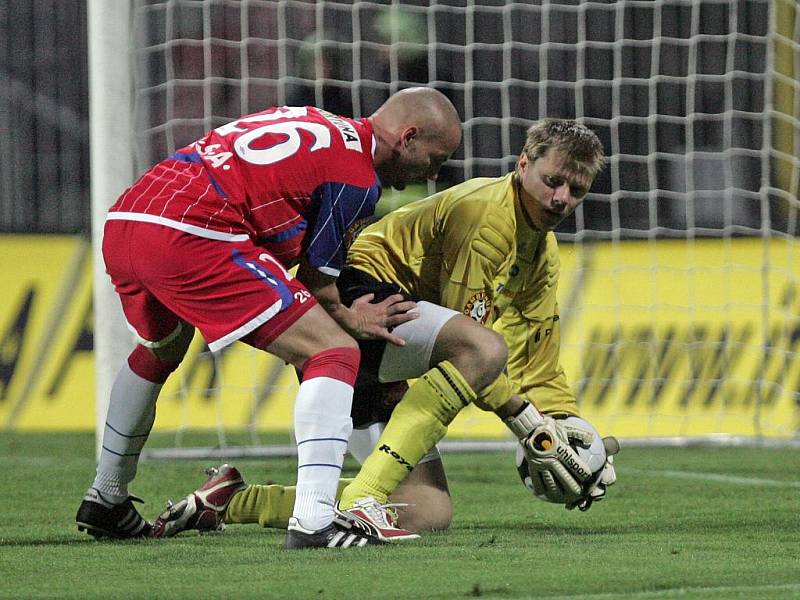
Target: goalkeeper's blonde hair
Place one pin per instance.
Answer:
(579, 145)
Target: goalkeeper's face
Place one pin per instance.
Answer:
(548, 190)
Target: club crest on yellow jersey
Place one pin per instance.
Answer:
(478, 307)
(357, 227)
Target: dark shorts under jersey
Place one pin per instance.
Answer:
(373, 402)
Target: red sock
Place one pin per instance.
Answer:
(145, 364)
(336, 363)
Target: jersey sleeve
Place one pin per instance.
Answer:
(531, 328)
(341, 207)
(533, 361)
(478, 245)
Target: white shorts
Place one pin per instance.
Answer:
(413, 360)
(363, 441)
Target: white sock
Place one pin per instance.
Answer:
(322, 427)
(131, 413)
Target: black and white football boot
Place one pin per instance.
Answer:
(101, 519)
(332, 536)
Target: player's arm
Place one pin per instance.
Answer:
(531, 328)
(362, 320)
(478, 246)
(541, 382)
(547, 442)
(552, 449)
(343, 209)
(534, 359)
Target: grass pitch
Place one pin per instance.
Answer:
(680, 523)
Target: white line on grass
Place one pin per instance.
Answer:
(756, 481)
(683, 591)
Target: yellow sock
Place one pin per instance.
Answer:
(494, 395)
(267, 505)
(418, 421)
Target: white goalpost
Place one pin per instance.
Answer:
(112, 170)
(680, 286)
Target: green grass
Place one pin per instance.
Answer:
(667, 530)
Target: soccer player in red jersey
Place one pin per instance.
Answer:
(204, 240)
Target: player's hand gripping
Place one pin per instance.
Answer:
(607, 478)
(362, 320)
(375, 321)
(557, 471)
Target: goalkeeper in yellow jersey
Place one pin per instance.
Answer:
(481, 261)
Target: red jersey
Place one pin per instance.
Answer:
(291, 179)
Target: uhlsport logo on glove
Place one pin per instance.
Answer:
(568, 458)
(554, 460)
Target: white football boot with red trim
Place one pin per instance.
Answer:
(377, 519)
(204, 508)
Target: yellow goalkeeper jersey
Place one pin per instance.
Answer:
(471, 248)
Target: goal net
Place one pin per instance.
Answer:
(680, 288)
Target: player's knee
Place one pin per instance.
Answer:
(421, 523)
(323, 333)
(424, 499)
(495, 354)
(147, 365)
(440, 520)
(434, 514)
(314, 332)
(483, 357)
(176, 348)
(477, 352)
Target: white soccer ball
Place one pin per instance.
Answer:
(594, 456)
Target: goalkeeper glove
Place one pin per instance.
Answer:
(607, 478)
(557, 472)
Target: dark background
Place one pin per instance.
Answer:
(675, 90)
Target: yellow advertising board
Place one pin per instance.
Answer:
(686, 338)
(46, 359)
(665, 338)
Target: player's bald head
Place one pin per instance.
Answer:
(416, 130)
(425, 108)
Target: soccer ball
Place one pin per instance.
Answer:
(594, 456)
